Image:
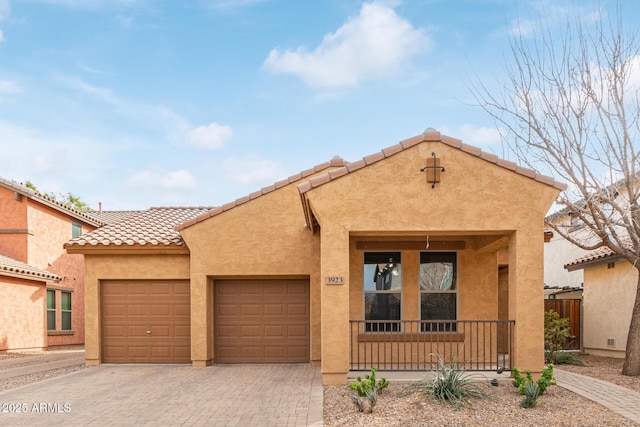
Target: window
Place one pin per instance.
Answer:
(438, 289)
(76, 230)
(51, 310)
(65, 309)
(382, 290)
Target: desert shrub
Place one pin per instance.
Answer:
(531, 394)
(451, 385)
(556, 332)
(369, 389)
(521, 382)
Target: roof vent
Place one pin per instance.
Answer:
(430, 129)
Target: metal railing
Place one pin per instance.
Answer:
(418, 345)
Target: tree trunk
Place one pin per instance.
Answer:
(631, 365)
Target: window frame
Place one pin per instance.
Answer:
(391, 325)
(76, 229)
(64, 311)
(51, 310)
(425, 326)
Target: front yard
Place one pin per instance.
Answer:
(557, 407)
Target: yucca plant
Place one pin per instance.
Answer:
(451, 384)
(531, 394)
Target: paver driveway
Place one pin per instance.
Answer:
(159, 395)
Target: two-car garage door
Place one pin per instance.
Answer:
(256, 321)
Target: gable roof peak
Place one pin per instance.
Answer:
(429, 135)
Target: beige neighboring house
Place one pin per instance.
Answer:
(610, 284)
(609, 289)
(426, 246)
(559, 283)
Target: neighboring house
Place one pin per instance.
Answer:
(389, 252)
(607, 281)
(558, 282)
(41, 285)
(610, 284)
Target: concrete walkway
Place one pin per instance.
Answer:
(619, 399)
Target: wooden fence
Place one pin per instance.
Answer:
(569, 308)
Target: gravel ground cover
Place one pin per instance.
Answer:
(396, 407)
(557, 407)
(8, 383)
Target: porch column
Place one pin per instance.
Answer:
(334, 263)
(526, 298)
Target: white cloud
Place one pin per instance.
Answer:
(374, 44)
(250, 169)
(211, 137)
(5, 9)
(9, 87)
(168, 181)
(478, 136)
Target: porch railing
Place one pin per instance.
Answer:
(417, 345)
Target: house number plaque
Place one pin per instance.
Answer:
(335, 280)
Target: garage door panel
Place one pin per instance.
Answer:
(260, 321)
(130, 309)
(275, 331)
(273, 309)
(250, 309)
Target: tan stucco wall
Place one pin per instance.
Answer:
(474, 198)
(13, 223)
(100, 268)
(23, 314)
(51, 230)
(608, 298)
(265, 237)
(35, 234)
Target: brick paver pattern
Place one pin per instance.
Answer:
(171, 395)
(619, 399)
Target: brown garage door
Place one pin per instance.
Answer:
(146, 322)
(261, 321)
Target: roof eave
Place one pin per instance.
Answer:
(29, 276)
(113, 249)
(594, 262)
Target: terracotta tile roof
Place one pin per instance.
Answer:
(334, 162)
(48, 201)
(601, 253)
(153, 227)
(11, 267)
(429, 135)
(109, 217)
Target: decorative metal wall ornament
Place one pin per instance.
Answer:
(433, 164)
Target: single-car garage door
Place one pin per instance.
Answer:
(146, 322)
(261, 321)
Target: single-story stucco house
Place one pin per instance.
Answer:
(430, 246)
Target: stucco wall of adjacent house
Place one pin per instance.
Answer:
(51, 230)
(557, 253)
(118, 267)
(13, 225)
(23, 314)
(609, 294)
(265, 237)
(474, 198)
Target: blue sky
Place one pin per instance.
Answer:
(139, 103)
